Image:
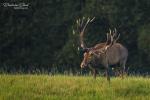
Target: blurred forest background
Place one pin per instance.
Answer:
(41, 38)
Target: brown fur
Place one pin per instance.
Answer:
(114, 54)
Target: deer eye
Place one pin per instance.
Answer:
(91, 55)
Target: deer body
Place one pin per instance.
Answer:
(108, 53)
(117, 53)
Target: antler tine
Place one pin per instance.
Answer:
(110, 31)
(81, 40)
(82, 21)
(78, 25)
(77, 21)
(107, 38)
(86, 24)
(111, 35)
(117, 38)
(114, 33)
(92, 19)
(115, 30)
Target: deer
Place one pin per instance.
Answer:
(106, 53)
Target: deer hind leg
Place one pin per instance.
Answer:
(107, 74)
(94, 73)
(122, 65)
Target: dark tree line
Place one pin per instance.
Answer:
(42, 38)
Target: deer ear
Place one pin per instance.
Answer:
(90, 53)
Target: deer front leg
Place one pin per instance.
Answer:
(93, 71)
(122, 70)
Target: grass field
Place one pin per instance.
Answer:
(59, 87)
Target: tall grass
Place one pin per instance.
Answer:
(60, 87)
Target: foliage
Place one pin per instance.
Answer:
(143, 43)
(41, 37)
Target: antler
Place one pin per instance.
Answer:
(117, 37)
(82, 24)
(114, 36)
(108, 39)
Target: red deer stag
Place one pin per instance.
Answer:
(108, 53)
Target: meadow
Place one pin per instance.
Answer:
(62, 87)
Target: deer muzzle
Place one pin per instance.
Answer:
(83, 65)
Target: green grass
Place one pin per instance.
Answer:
(44, 87)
